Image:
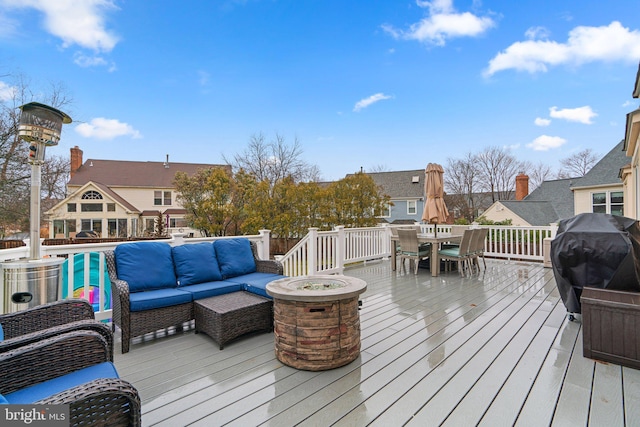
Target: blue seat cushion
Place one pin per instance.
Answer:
(3, 400)
(145, 265)
(195, 263)
(210, 289)
(53, 386)
(256, 283)
(234, 257)
(158, 298)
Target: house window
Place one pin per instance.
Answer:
(91, 207)
(162, 198)
(149, 225)
(177, 222)
(92, 224)
(610, 202)
(111, 207)
(386, 211)
(92, 195)
(412, 207)
(117, 227)
(71, 207)
(62, 227)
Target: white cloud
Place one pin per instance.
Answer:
(539, 121)
(442, 23)
(102, 128)
(537, 33)
(85, 61)
(585, 44)
(364, 103)
(546, 142)
(580, 114)
(7, 92)
(75, 22)
(203, 78)
(627, 104)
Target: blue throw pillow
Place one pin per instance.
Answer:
(234, 257)
(195, 264)
(145, 265)
(1, 333)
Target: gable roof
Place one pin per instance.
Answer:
(400, 184)
(558, 194)
(119, 173)
(535, 212)
(607, 170)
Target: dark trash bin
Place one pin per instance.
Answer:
(595, 250)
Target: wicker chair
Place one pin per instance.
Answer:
(48, 320)
(411, 249)
(136, 323)
(461, 254)
(101, 402)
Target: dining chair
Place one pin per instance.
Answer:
(411, 248)
(477, 246)
(461, 254)
(394, 234)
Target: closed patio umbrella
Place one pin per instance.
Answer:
(435, 210)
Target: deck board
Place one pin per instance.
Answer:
(494, 349)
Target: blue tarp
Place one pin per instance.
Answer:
(78, 280)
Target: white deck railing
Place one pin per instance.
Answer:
(327, 252)
(69, 251)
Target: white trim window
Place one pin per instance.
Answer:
(412, 207)
(610, 202)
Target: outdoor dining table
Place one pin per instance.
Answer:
(435, 245)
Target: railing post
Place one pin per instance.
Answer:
(340, 248)
(312, 254)
(177, 239)
(265, 239)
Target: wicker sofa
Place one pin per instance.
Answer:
(154, 285)
(73, 368)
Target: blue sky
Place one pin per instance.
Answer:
(359, 83)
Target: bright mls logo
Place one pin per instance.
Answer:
(35, 415)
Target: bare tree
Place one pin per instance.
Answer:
(15, 171)
(537, 173)
(274, 160)
(578, 164)
(497, 171)
(460, 180)
(378, 168)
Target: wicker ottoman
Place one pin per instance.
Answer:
(225, 317)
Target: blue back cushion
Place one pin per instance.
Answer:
(234, 257)
(145, 265)
(195, 264)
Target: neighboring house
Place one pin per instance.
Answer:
(406, 191)
(548, 203)
(599, 190)
(631, 174)
(120, 198)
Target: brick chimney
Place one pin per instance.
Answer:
(522, 186)
(76, 160)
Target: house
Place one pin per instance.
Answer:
(599, 190)
(631, 174)
(406, 191)
(120, 198)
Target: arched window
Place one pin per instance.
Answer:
(92, 195)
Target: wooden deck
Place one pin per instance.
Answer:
(493, 350)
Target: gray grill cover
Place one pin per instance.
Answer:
(595, 250)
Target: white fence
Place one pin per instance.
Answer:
(327, 252)
(69, 251)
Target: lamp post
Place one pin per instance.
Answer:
(40, 125)
(34, 281)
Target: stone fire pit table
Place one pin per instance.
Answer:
(316, 320)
